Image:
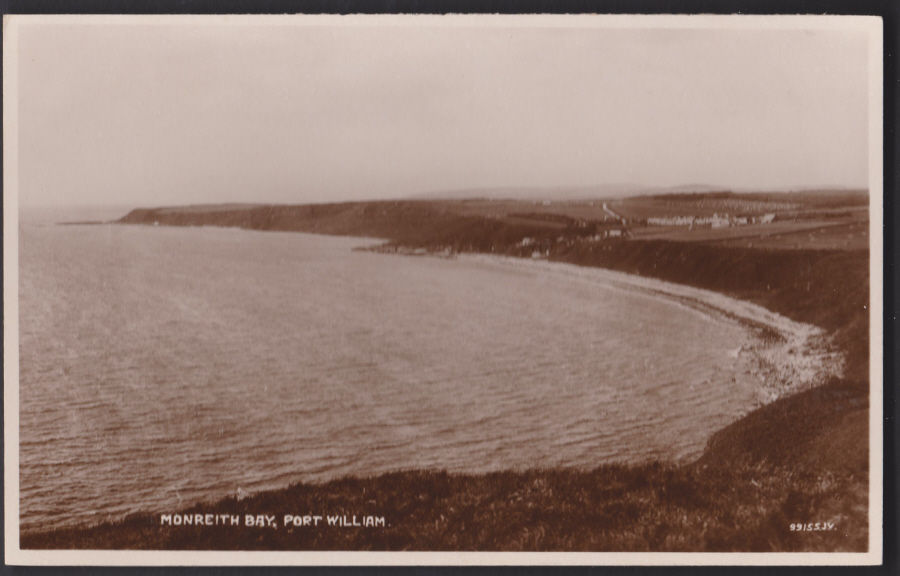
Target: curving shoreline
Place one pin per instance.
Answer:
(787, 356)
(755, 476)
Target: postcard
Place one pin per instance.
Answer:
(442, 290)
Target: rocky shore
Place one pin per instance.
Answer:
(787, 356)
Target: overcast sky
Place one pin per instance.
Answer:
(173, 114)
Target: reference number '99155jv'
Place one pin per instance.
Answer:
(810, 527)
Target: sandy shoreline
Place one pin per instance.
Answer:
(786, 356)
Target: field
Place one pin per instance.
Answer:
(831, 220)
(798, 460)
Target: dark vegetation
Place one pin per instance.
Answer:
(727, 506)
(826, 288)
(800, 459)
(406, 223)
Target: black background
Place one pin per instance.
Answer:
(887, 9)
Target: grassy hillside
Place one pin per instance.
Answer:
(826, 288)
(723, 506)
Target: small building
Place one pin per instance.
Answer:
(720, 221)
(767, 219)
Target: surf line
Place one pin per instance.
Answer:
(786, 356)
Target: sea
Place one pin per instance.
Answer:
(162, 367)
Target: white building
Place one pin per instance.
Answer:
(672, 221)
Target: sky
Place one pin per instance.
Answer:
(160, 114)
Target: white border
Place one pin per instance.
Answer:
(869, 24)
(876, 289)
(10, 287)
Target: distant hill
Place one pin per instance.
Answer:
(818, 190)
(687, 188)
(536, 193)
(563, 192)
(604, 191)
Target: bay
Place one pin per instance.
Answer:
(165, 366)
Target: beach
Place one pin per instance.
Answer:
(787, 356)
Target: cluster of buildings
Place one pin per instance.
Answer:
(715, 220)
(603, 235)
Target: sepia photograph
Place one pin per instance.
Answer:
(457, 289)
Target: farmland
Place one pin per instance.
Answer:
(832, 220)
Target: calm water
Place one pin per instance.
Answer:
(162, 366)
